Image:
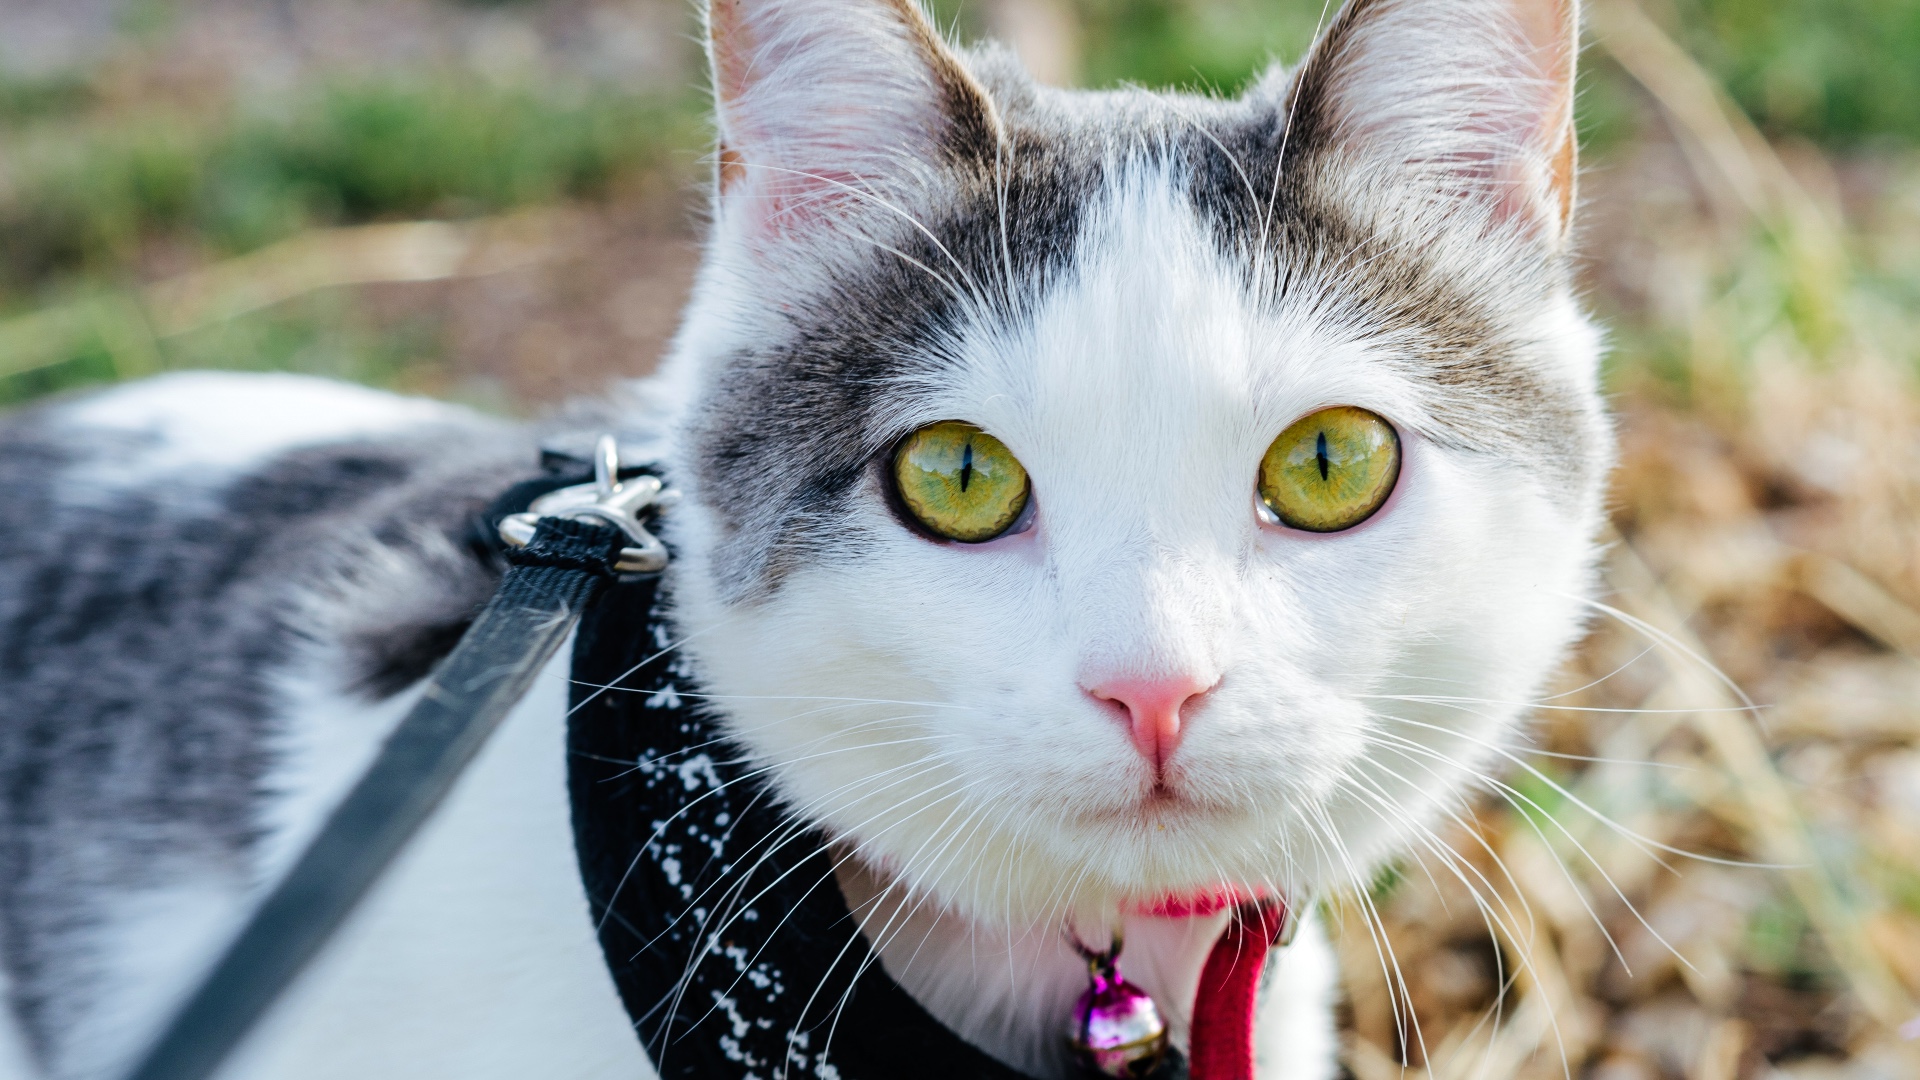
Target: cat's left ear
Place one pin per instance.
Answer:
(1467, 104)
(828, 107)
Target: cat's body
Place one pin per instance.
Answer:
(237, 572)
(215, 591)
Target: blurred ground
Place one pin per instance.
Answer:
(1705, 864)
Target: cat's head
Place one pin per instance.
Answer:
(1206, 635)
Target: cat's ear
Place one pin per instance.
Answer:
(1468, 103)
(825, 106)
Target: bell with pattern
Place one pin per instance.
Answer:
(1116, 1030)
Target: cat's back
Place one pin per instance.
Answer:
(166, 549)
(171, 552)
(215, 590)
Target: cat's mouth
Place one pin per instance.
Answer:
(1161, 806)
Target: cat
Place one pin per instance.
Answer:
(1088, 502)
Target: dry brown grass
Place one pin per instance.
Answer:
(1731, 891)
(1726, 893)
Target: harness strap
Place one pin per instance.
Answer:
(718, 913)
(548, 584)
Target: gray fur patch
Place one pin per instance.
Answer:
(788, 430)
(138, 647)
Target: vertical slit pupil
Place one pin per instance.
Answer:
(966, 465)
(1320, 453)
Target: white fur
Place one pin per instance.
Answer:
(924, 701)
(1295, 1036)
(149, 945)
(320, 745)
(206, 426)
(475, 957)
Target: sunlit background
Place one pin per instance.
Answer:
(497, 202)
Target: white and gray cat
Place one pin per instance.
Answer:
(1186, 493)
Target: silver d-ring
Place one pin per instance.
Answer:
(607, 501)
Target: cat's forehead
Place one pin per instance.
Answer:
(1155, 332)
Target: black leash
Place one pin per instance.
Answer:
(573, 542)
(719, 917)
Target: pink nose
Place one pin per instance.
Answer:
(1153, 709)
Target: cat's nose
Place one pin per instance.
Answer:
(1154, 709)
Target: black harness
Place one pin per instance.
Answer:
(717, 910)
(719, 916)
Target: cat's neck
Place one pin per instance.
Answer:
(1010, 991)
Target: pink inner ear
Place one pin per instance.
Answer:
(1474, 95)
(780, 201)
(1538, 183)
(820, 102)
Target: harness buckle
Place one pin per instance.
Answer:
(609, 500)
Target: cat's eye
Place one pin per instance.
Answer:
(960, 482)
(1331, 470)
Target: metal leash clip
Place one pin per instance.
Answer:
(609, 500)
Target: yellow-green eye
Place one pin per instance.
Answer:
(1331, 470)
(960, 482)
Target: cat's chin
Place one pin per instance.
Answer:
(863, 878)
(1195, 903)
(1169, 850)
(1136, 867)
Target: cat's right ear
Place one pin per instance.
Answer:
(1463, 106)
(827, 107)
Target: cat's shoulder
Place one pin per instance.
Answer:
(214, 500)
(206, 582)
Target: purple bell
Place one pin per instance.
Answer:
(1117, 1030)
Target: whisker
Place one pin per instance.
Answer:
(637, 668)
(660, 829)
(1628, 834)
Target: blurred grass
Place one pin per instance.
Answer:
(98, 191)
(26, 100)
(83, 194)
(90, 195)
(1754, 200)
(1768, 512)
(1216, 46)
(1838, 71)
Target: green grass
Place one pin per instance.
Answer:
(323, 334)
(25, 100)
(1219, 46)
(1781, 943)
(1839, 71)
(87, 193)
(84, 194)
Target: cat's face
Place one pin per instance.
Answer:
(1148, 685)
